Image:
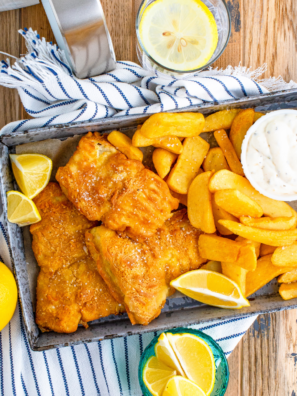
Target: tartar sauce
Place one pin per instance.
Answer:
(271, 155)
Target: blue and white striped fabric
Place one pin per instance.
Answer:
(106, 368)
(53, 95)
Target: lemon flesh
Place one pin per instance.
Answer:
(165, 354)
(180, 386)
(156, 375)
(180, 35)
(196, 359)
(32, 172)
(21, 210)
(8, 295)
(211, 288)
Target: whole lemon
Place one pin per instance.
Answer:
(8, 295)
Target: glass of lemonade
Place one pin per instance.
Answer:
(181, 37)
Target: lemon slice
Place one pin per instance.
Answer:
(180, 386)
(211, 288)
(8, 295)
(156, 375)
(165, 354)
(180, 35)
(196, 359)
(32, 172)
(21, 210)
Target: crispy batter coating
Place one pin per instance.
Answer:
(104, 185)
(69, 288)
(138, 273)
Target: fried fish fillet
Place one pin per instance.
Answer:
(69, 288)
(138, 273)
(104, 185)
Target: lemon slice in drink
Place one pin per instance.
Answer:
(165, 354)
(156, 375)
(196, 359)
(180, 386)
(211, 288)
(32, 172)
(8, 295)
(180, 35)
(21, 210)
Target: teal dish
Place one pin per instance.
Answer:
(222, 369)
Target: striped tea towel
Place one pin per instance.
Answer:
(106, 368)
(53, 95)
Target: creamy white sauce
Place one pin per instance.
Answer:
(271, 155)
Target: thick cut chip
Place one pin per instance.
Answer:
(241, 124)
(170, 143)
(267, 223)
(224, 179)
(273, 238)
(257, 245)
(173, 124)
(237, 203)
(288, 277)
(183, 198)
(288, 291)
(188, 164)
(212, 266)
(212, 247)
(285, 256)
(124, 144)
(220, 120)
(220, 214)
(163, 161)
(235, 273)
(263, 274)
(199, 204)
(266, 249)
(215, 160)
(247, 258)
(229, 152)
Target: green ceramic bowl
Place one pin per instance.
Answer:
(222, 370)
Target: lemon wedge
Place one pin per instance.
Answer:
(156, 375)
(21, 210)
(8, 295)
(211, 288)
(32, 172)
(180, 35)
(180, 386)
(165, 354)
(196, 359)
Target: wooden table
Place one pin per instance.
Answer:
(265, 361)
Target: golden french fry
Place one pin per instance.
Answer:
(199, 204)
(212, 266)
(183, 198)
(229, 152)
(288, 291)
(170, 143)
(235, 273)
(266, 249)
(224, 179)
(215, 160)
(285, 256)
(221, 214)
(257, 116)
(124, 144)
(217, 248)
(163, 161)
(256, 244)
(267, 223)
(173, 124)
(247, 258)
(220, 120)
(263, 274)
(187, 165)
(241, 124)
(237, 203)
(288, 277)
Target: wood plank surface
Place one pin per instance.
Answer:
(263, 31)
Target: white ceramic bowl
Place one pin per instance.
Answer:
(247, 171)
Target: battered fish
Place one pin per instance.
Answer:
(70, 290)
(138, 273)
(104, 185)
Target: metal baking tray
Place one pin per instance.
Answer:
(178, 311)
